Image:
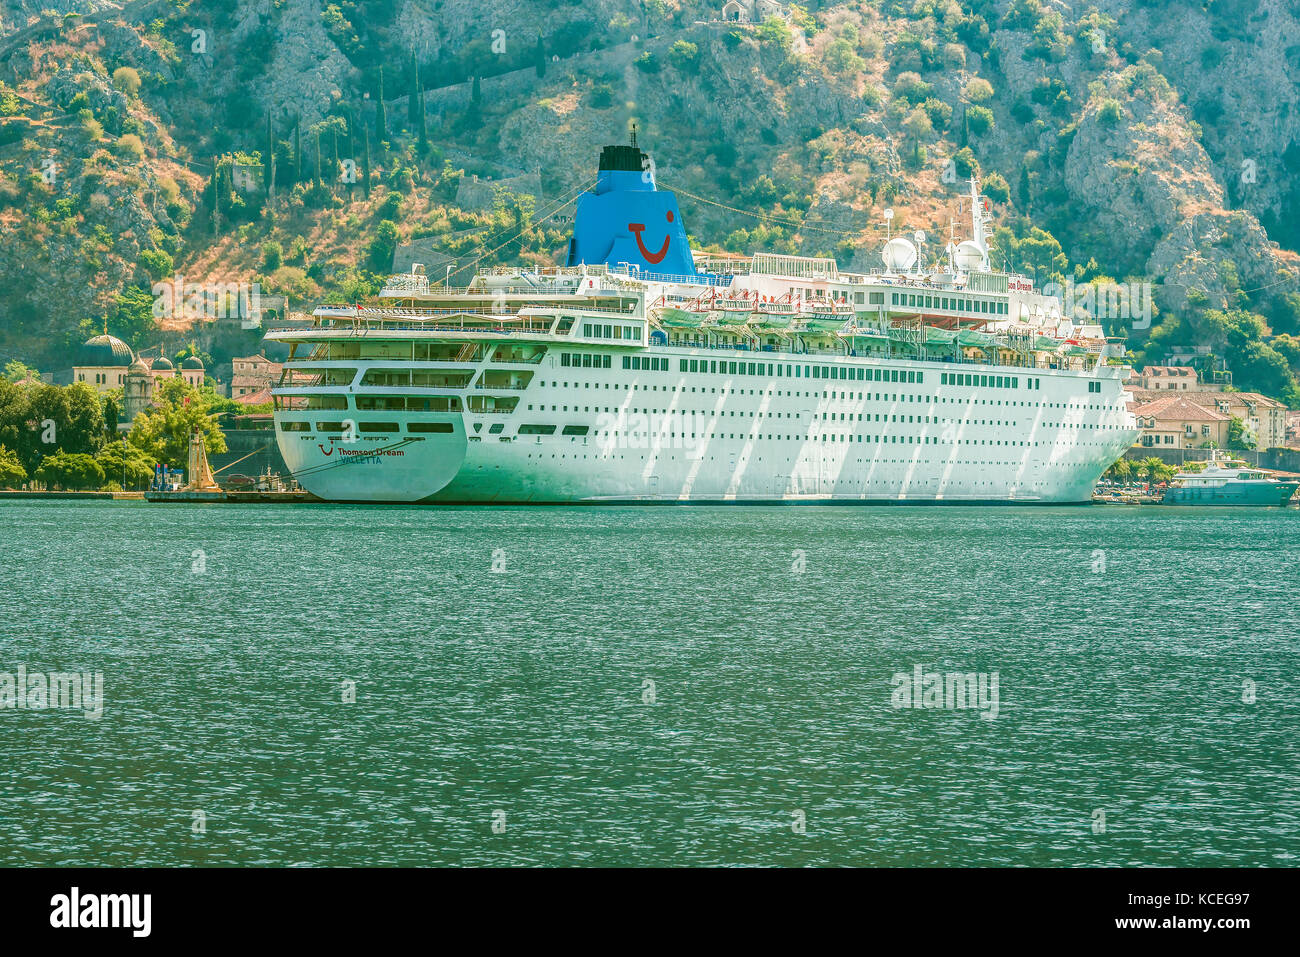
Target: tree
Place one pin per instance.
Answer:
(383, 246)
(297, 149)
(979, 119)
(268, 156)
(70, 470)
(131, 318)
(422, 124)
(112, 411)
(917, 125)
(16, 371)
(1238, 437)
(163, 433)
(37, 421)
(122, 462)
(413, 92)
(12, 473)
(840, 58)
(127, 80)
(539, 58)
(1121, 471)
(381, 120)
(316, 182)
(365, 163)
(979, 90)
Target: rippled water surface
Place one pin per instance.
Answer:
(1126, 644)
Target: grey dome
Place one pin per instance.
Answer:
(105, 351)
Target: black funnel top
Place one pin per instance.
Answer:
(624, 158)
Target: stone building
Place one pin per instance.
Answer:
(1176, 422)
(107, 363)
(250, 374)
(1264, 419)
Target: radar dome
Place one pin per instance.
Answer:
(969, 255)
(899, 254)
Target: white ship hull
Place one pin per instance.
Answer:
(632, 375)
(651, 438)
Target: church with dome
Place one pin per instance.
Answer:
(107, 363)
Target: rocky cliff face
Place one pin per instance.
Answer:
(1158, 139)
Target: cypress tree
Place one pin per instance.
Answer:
(297, 149)
(318, 160)
(476, 92)
(540, 58)
(270, 151)
(381, 120)
(365, 162)
(422, 124)
(413, 101)
(334, 138)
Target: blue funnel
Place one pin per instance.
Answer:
(628, 221)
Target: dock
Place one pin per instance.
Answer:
(6, 494)
(229, 496)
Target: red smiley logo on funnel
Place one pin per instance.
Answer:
(653, 259)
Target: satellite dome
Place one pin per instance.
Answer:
(192, 362)
(969, 255)
(104, 351)
(162, 364)
(899, 253)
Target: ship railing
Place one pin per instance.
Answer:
(696, 279)
(519, 313)
(487, 326)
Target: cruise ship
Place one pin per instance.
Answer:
(643, 371)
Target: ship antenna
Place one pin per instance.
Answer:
(632, 130)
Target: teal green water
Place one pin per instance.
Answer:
(523, 690)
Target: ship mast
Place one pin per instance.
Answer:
(978, 223)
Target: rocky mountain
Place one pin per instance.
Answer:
(1150, 141)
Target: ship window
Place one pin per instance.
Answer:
(434, 427)
(536, 430)
(380, 402)
(573, 430)
(330, 427)
(295, 426)
(378, 427)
